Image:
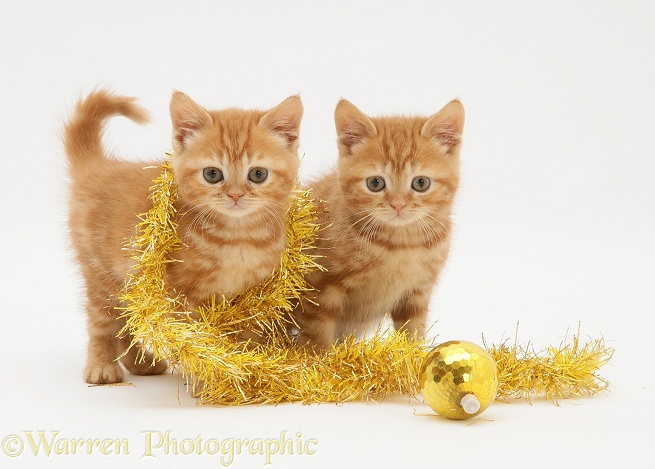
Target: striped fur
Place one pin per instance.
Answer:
(232, 230)
(383, 250)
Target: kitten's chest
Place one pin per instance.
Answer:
(242, 266)
(404, 268)
(226, 268)
(388, 276)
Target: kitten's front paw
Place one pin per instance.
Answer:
(105, 373)
(314, 344)
(159, 367)
(147, 368)
(143, 365)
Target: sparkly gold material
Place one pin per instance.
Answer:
(273, 372)
(458, 376)
(569, 370)
(205, 350)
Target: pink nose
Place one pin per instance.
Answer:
(398, 206)
(235, 197)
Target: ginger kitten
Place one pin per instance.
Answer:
(234, 170)
(387, 226)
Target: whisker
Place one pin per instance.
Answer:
(352, 225)
(269, 215)
(435, 219)
(368, 230)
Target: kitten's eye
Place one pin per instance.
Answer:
(421, 183)
(375, 183)
(212, 175)
(258, 175)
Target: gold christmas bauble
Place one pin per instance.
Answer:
(458, 379)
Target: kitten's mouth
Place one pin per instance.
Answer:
(399, 219)
(235, 209)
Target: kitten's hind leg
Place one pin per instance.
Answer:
(139, 361)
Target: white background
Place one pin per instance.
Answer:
(554, 219)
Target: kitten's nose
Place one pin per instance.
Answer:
(398, 206)
(235, 196)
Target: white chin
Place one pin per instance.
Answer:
(236, 211)
(399, 221)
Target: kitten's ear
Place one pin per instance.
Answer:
(446, 126)
(352, 126)
(187, 117)
(284, 120)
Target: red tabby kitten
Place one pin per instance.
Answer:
(234, 170)
(387, 226)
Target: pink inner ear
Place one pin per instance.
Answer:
(350, 139)
(186, 127)
(285, 129)
(352, 134)
(446, 135)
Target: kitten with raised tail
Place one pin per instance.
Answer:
(235, 171)
(386, 230)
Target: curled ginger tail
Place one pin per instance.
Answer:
(83, 132)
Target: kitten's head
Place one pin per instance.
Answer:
(398, 171)
(235, 162)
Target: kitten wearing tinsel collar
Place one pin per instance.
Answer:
(234, 170)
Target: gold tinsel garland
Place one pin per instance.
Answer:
(568, 370)
(202, 344)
